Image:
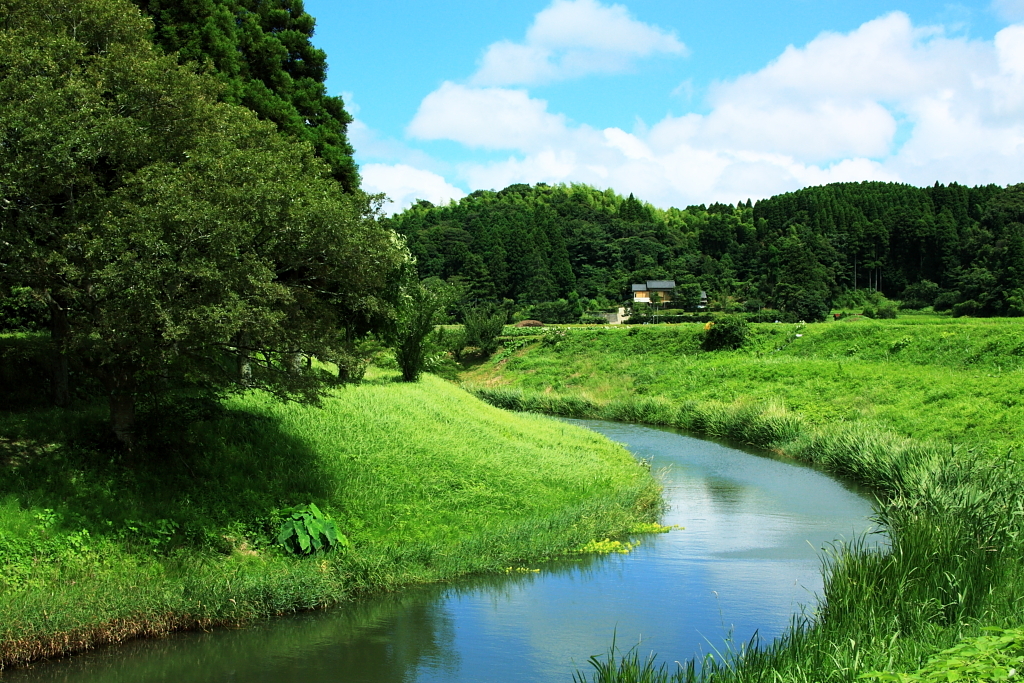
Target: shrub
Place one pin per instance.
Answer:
(558, 312)
(424, 307)
(945, 300)
(969, 307)
(886, 312)
(920, 294)
(807, 305)
(20, 311)
(483, 326)
(728, 332)
(450, 341)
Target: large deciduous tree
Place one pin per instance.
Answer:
(177, 241)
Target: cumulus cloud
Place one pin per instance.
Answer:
(573, 38)
(886, 101)
(404, 184)
(371, 147)
(491, 118)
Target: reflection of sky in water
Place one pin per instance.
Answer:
(747, 561)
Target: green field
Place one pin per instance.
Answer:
(428, 482)
(926, 411)
(959, 381)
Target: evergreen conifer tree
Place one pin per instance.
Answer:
(261, 51)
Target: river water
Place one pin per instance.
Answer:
(747, 561)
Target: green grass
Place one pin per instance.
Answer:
(925, 412)
(954, 380)
(428, 483)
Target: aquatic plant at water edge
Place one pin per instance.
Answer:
(996, 656)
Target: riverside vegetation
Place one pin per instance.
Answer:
(426, 482)
(182, 213)
(925, 410)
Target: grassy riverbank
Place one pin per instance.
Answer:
(954, 380)
(428, 483)
(924, 411)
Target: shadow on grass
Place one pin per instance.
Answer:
(471, 361)
(198, 469)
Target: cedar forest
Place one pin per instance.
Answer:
(800, 253)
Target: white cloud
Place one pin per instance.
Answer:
(370, 147)
(573, 38)
(1010, 50)
(492, 118)
(887, 101)
(404, 184)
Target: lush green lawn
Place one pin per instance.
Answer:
(428, 482)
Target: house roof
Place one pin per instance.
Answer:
(654, 284)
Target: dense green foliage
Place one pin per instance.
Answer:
(728, 332)
(924, 412)
(307, 530)
(996, 656)
(177, 242)
(427, 483)
(483, 325)
(261, 51)
(948, 246)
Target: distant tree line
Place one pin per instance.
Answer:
(947, 246)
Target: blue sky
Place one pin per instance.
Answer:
(679, 102)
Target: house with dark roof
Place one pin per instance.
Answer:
(665, 289)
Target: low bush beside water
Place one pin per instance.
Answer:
(953, 512)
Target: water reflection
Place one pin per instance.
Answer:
(385, 639)
(747, 561)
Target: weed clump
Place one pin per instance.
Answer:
(726, 333)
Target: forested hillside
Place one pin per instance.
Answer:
(948, 246)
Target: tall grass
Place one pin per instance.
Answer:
(427, 482)
(954, 514)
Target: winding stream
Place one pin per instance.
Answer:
(748, 560)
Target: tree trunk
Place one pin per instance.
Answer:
(244, 361)
(119, 382)
(60, 385)
(122, 417)
(297, 363)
